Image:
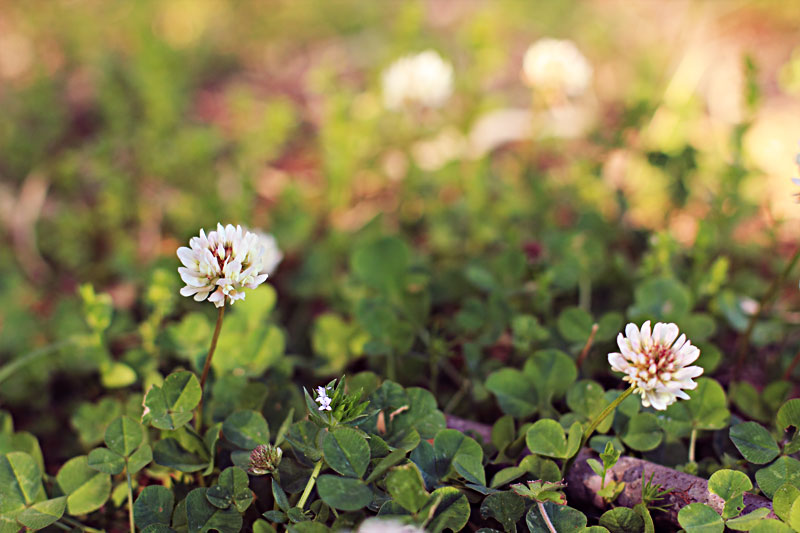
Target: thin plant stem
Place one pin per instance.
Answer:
(587, 346)
(199, 422)
(744, 340)
(391, 366)
(62, 526)
(692, 445)
(310, 484)
(130, 496)
(607, 411)
(8, 370)
(788, 374)
(585, 293)
(546, 518)
(593, 426)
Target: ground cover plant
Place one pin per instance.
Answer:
(315, 266)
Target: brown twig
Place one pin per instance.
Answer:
(588, 345)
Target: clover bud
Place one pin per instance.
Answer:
(264, 459)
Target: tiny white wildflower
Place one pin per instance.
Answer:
(425, 79)
(656, 364)
(556, 65)
(220, 265)
(323, 399)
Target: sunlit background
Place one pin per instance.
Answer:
(126, 126)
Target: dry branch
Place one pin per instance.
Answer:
(583, 483)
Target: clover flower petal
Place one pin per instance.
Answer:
(655, 362)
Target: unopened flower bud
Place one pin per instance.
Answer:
(264, 459)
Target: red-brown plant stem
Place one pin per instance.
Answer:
(588, 346)
(199, 421)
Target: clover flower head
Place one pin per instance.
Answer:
(271, 255)
(220, 265)
(425, 79)
(383, 525)
(556, 65)
(656, 364)
(264, 459)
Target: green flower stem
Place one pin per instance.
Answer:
(62, 526)
(391, 366)
(602, 416)
(310, 484)
(130, 497)
(546, 518)
(744, 340)
(199, 421)
(8, 370)
(593, 426)
(692, 445)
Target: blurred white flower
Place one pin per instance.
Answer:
(656, 365)
(554, 65)
(424, 79)
(218, 267)
(380, 525)
(434, 153)
(271, 255)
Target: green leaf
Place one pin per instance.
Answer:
(662, 299)
(565, 519)
(42, 514)
(748, 521)
(503, 432)
(261, 526)
(789, 416)
(105, 460)
(158, 528)
(171, 405)
(587, 399)
(754, 442)
(381, 263)
(406, 487)
(20, 481)
(546, 437)
(514, 391)
(794, 515)
(622, 520)
(769, 525)
(642, 510)
(505, 507)
(783, 470)
(783, 499)
(140, 458)
(552, 373)
(452, 510)
(708, 405)
(450, 446)
(91, 420)
(232, 488)
(643, 432)
(575, 324)
(153, 506)
(202, 516)
(344, 493)
(346, 451)
(246, 429)
(169, 452)
(381, 467)
(470, 467)
(279, 496)
(730, 485)
(86, 488)
(700, 518)
(124, 436)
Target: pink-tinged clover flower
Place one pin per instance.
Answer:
(656, 364)
(220, 265)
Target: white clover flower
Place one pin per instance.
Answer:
(656, 365)
(424, 79)
(556, 65)
(218, 267)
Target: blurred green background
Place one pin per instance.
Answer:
(127, 126)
